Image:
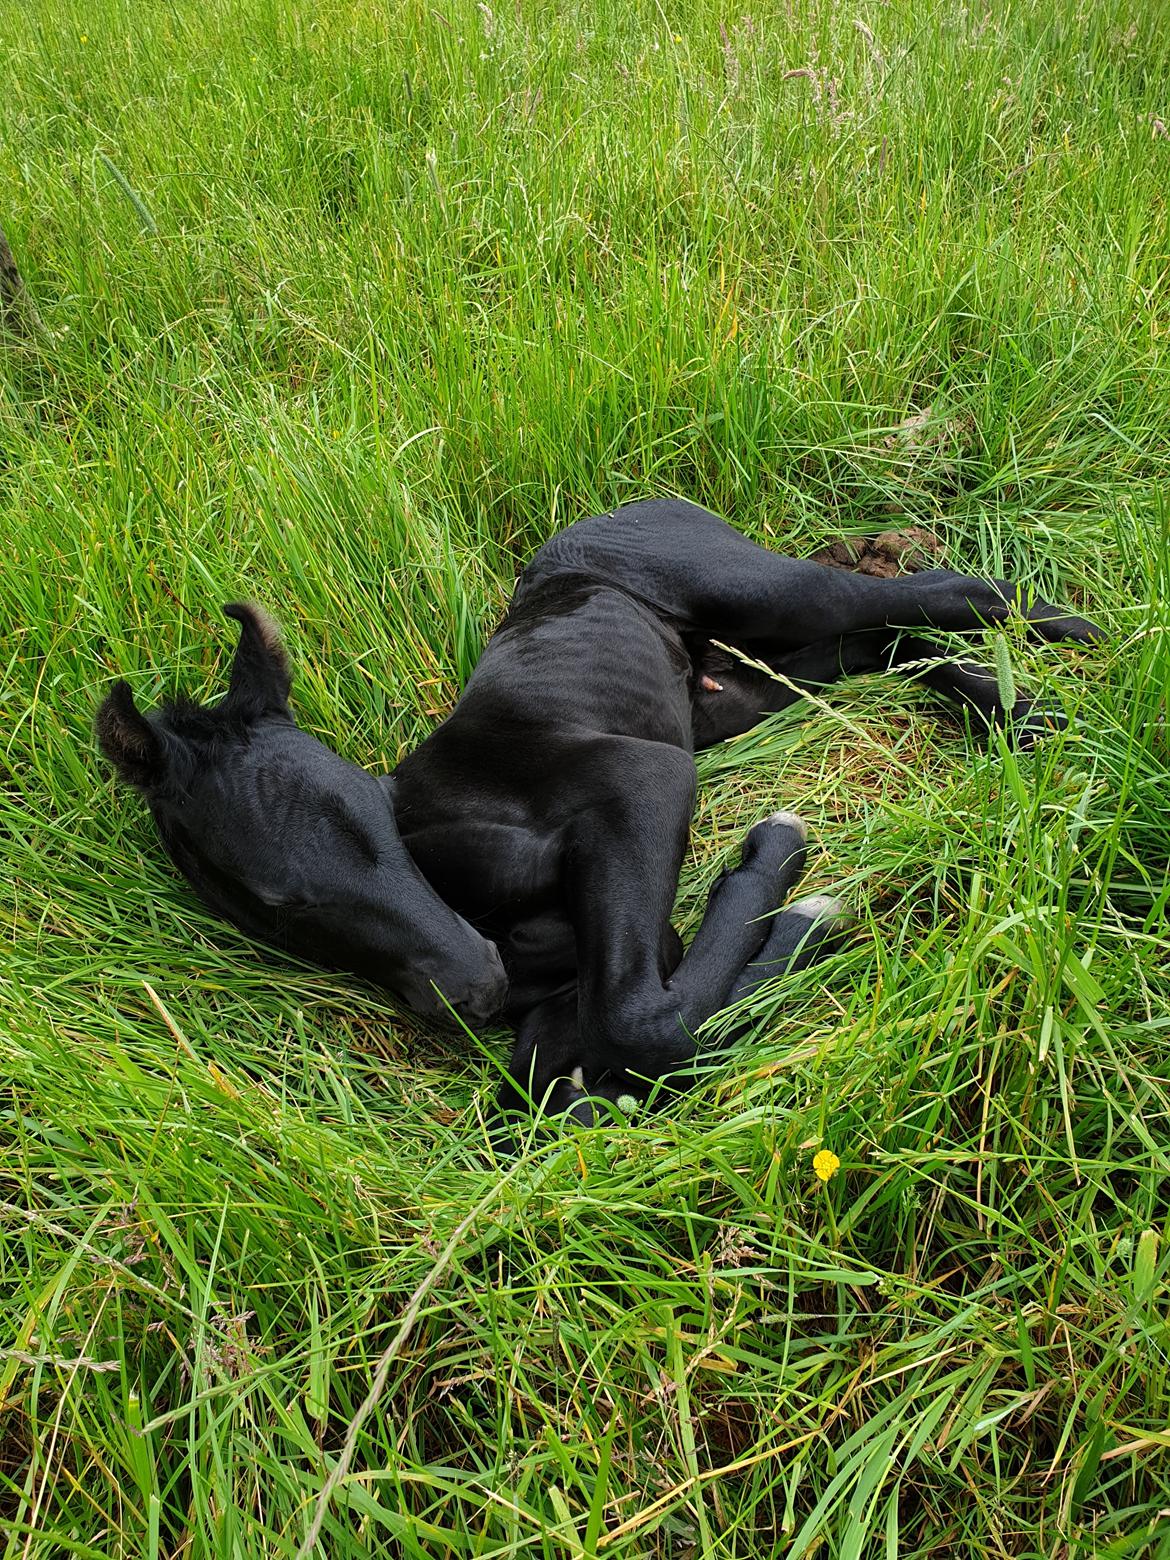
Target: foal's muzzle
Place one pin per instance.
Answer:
(474, 999)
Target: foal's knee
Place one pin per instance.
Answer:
(643, 1039)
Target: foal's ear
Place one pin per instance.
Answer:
(260, 672)
(128, 739)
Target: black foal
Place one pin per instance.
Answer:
(523, 861)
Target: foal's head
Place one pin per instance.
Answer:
(291, 842)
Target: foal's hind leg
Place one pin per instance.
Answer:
(733, 696)
(971, 687)
(703, 574)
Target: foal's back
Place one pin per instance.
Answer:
(575, 657)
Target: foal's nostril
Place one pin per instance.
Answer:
(490, 997)
(484, 997)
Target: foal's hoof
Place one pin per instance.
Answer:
(787, 820)
(1025, 724)
(818, 907)
(829, 924)
(1049, 622)
(780, 836)
(1063, 627)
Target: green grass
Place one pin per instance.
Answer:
(347, 308)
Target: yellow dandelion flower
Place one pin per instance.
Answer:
(84, 38)
(825, 1165)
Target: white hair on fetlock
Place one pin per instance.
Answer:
(816, 907)
(789, 820)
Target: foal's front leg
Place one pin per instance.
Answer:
(547, 1070)
(638, 1003)
(633, 1015)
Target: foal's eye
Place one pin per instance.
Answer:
(279, 900)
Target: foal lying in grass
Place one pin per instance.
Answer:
(523, 861)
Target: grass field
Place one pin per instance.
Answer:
(346, 307)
